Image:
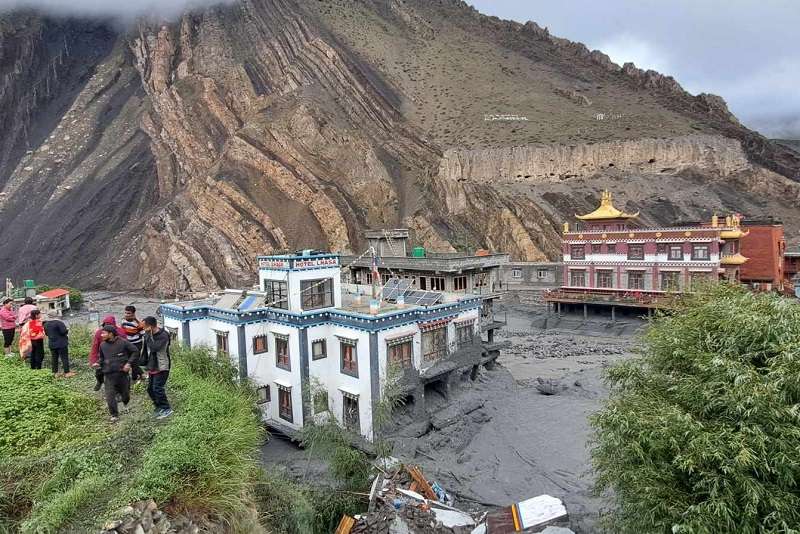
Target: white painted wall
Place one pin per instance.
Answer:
(263, 370)
(177, 325)
(327, 372)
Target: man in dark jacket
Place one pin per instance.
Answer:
(94, 353)
(116, 356)
(156, 345)
(58, 341)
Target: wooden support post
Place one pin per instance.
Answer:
(613, 314)
(558, 305)
(585, 312)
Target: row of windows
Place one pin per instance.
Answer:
(314, 294)
(430, 283)
(669, 280)
(540, 273)
(350, 414)
(434, 347)
(674, 251)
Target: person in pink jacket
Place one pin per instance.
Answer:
(8, 324)
(25, 311)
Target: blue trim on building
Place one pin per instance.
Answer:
(363, 322)
(242, 351)
(186, 334)
(305, 385)
(374, 379)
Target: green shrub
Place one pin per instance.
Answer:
(64, 468)
(205, 363)
(701, 433)
(207, 456)
(36, 411)
(291, 508)
(80, 342)
(351, 467)
(284, 505)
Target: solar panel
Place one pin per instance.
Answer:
(248, 302)
(394, 288)
(422, 298)
(430, 299)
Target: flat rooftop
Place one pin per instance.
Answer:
(355, 299)
(442, 262)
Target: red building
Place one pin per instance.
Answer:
(610, 259)
(765, 246)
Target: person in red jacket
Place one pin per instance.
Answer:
(94, 354)
(36, 332)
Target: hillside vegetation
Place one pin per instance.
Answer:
(701, 434)
(65, 468)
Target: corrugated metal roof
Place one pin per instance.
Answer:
(53, 293)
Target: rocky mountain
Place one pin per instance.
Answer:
(172, 153)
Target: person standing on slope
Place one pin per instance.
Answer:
(133, 328)
(94, 353)
(25, 311)
(116, 356)
(8, 324)
(156, 343)
(58, 342)
(33, 334)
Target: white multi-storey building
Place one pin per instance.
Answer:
(314, 346)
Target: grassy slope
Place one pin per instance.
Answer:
(65, 468)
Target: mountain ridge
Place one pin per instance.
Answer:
(174, 153)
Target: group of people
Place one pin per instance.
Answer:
(123, 353)
(33, 328)
(120, 354)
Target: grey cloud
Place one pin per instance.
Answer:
(118, 9)
(743, 50)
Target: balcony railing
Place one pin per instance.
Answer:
(632, 297)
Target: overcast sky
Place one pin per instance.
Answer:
(747, 51)
(122, 9)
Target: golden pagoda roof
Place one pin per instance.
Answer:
(734, 259)
(606, 210)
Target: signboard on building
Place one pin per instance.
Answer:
(316, 263)
(297, 263)
(272, 263)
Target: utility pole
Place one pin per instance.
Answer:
(374, 304)
(180, 273)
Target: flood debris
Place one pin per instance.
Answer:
(531, 515)
(404, 501)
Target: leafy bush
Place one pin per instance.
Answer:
(59, 457)
(80, 342)
(284, 505)
(701, 433)
(205, 363)
(35, 411)
(207, 456)
(291, 508)
(351, 467)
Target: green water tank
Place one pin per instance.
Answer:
(418, 252)
(29, 284)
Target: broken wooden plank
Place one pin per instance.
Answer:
(345, 525)
(423, 484)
